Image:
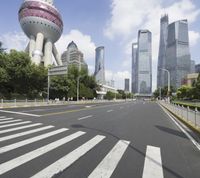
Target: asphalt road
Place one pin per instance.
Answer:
(117, 140)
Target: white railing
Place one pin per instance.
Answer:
(31, 103)
(187, 114)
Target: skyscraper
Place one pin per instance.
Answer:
(99, 65)
(72, 56)
(134, 68)
(178, 60)
(144, 63)
(164, 21)
(126, 85)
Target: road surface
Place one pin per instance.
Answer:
(117, 140)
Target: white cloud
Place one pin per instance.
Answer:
(194, 37)
(118, 77)
(16, 40)
(84, 43)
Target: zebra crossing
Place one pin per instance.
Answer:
(104, 169)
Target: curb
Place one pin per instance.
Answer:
(191, 126)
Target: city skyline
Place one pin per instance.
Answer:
(82, 27)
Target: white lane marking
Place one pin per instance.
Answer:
(182, 129)
(6, 119)
(30, 140)
(86, 117)
(19, 123)
(88, 106)
(25, 133)
(109, 110)
(2, 117)
(69, 159)
(6, 122)
(153, 163)
(20, 113)
(107, 166)
(19, 128)
(9, 165)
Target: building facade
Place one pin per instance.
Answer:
(99, 65)
(72, 56)
(178, 60)
(192, 67)
(197, 68)
(144, 63)
(134, 68)
(126, 85)
(161, 75)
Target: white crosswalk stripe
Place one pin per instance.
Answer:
(19, 128)
(109, 163)
(2, 117)
(31, 140)
(69, 159)
(9, 165)
(19, 123)
(6, 119)
(104, 169)
(6, 122)
(153, 163)
(25, 133)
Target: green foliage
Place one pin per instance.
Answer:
(110, 95)
(164, 92)
(2, 50)
(19, 77)
(66, 86)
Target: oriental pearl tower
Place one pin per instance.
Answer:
(43, 25)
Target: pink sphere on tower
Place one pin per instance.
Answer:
(43, 25)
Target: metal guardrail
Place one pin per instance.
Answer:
(191, 116)
(32, 103)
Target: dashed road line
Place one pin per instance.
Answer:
(110, 111)
(86, 117)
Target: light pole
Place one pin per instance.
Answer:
(48, 86)
(168, 77)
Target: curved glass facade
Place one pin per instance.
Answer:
(99, 65)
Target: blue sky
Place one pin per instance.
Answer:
(111, 23)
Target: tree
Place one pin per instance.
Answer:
(184, 92)
(196, 89)
(2, 50)
(110, 95)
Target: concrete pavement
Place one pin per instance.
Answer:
(130, 139)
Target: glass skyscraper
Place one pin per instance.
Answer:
(164, 21)
(99, 65)
(134, 68)
(178, 60)
(142, 64)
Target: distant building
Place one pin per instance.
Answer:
(99, 65)
(192, 68)
(190, 79)
(144, 63)
(134, 68)
(127, 86)
(197, 68)
(178, 60)
(72, 56)
(164, 22)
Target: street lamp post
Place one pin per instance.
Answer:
(168, 77)
(48, 86)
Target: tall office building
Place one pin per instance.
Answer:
(144, 63)
(178, 60)
(126, 85)
(72, 56)
(134, 68)
(192, 67)
(164, 21)
(197, 68)
(99, 65)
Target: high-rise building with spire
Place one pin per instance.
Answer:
(164, 22)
